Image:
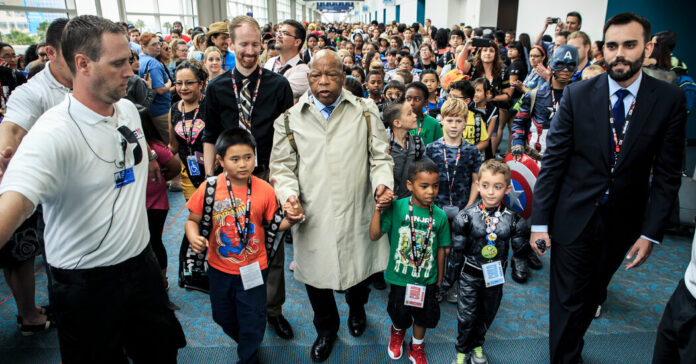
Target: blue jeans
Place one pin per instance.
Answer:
(240, 313)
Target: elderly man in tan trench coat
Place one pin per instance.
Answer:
(332, 167)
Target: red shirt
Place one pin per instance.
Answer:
(225, 251)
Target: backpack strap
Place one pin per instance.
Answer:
(291, 137)
(206, 224)
(532, 97)
(418, 146)
(368, 120)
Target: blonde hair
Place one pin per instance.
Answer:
(592, 71)
(172, 48)
(455, 108)
(210, 50)
(494, 166)
(240, 20)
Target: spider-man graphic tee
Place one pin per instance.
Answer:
(226, 252)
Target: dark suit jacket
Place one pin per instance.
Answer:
(575, 170)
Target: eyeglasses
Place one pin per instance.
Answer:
(186, 83)
(535, 55)
(43, 55)
(284, 34)
(165, 48)
(9, 56)
(131, 60)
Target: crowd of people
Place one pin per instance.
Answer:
(377, 150)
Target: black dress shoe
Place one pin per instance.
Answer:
(281, 326)
(519, 269)
(321, 349)
(534, 261)
(357, 320)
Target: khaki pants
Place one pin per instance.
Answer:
(162, 124)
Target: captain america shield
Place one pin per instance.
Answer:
(523, 177)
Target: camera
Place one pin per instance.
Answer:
(555, 20)
(481, 42)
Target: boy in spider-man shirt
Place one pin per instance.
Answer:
(237, 251)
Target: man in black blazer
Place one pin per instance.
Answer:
(597, 201)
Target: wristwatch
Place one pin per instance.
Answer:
(153, 155)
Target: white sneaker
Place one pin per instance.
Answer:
(598, 312)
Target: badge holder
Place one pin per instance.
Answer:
(192, 163)
(415, 295)
(451, 211)
(124, 177)
(493, 274)
(251, 276)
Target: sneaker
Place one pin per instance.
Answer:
(396, 343)
(416, 354)
(478, 357)
(598, 312)
(175, 187)
(461, 358)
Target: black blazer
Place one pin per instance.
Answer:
(575, 169)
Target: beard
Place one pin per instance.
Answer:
(634, 67)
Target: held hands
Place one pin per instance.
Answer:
(293, 210)
(641, 249)
(199, 244)
(539, 236)
(384, 197)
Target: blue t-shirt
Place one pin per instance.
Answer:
(228, 61)
(159, 76)
(469, 163)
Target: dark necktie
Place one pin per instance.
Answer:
(246, 101)
(328, 110)
(619, 110)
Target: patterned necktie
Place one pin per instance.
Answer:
(328, 110)
(246, 104)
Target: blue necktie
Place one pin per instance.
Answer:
(619, 110)
(328, 110)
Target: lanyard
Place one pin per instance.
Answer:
(420, 126)
(238, 95)
(392, 142)
(243, 234)
(188, 137)
(619, 138)
(454, 174)
(418, 259)
(427, 109)
(490, 221)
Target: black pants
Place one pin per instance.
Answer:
(155, 221)
(580, 273)
(476, 309)
(106, 313)
(326, 319)
(676, 334)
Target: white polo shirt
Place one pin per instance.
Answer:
(296, 74)
(32, 99)
(73, 178)
(690, 275)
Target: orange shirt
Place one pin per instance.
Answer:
(224, 247)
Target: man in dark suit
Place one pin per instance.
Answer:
(594, 195)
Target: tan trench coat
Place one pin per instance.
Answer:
(335, 183)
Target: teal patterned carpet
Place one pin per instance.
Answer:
(624, 334)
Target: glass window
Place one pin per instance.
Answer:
(86, 7)
(283, 9)
(146, 23)
(110, 10)
(140, 6)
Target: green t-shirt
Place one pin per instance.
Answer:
(430, 129)
(395, 222)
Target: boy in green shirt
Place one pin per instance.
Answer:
(418, 232)
(429, 128)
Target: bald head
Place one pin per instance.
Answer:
(326, 76)
(328, 57)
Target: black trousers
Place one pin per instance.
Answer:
(676, 334)
(580, 273)
(155, 221)
(476, 309)
(326, 319)
(107, 313)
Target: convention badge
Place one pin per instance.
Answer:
(124, 177)
(495, 220)
(489, 251)
(251, 275)
(493, 274)
(415, 295)
(492, 236)
(451, 211)
(192, 163)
